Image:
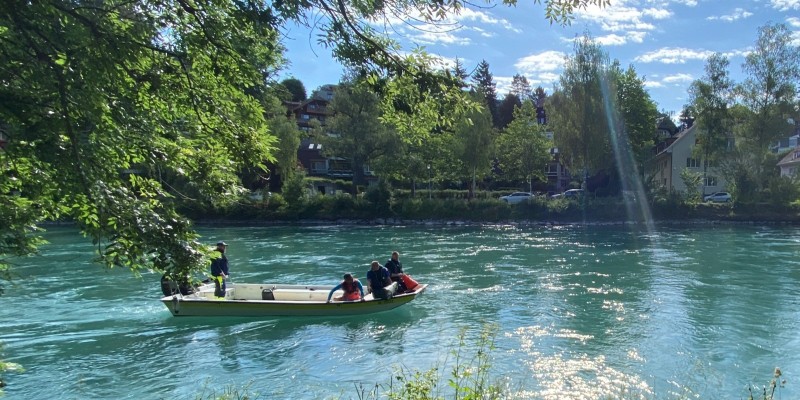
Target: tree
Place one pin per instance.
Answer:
(296, 89)
(355, 130)
(288, 138)
(460, 73)
(483, 84)
(523, 148)
(638, 113)
(101, 104)
(711, 97)
(688, 115)
(768, 92)
(540, 98)
(505, 111)
(521, 88)
(664, 122)
(579, 113)
(473, 145)
(692, 180)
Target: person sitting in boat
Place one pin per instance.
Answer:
(171, 286)
(219, 270)
(378, 279)
(353, 290)
(396, 271)
(404, 282)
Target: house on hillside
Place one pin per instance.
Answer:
(310, 155)
(676, 154)
(790, 164)
(307, 111)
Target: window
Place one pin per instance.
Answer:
(692, 163)
(708, 164)
(710, 181)
(305, 117)
(318, 167)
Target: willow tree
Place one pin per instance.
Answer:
(578, 112)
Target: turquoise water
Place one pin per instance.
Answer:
(583, 312)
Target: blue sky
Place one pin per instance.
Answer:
(667, 41)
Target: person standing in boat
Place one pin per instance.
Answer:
(219, 269)
(353, 289)
(377, 279)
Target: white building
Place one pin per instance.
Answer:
(677, 155)
(790, 164)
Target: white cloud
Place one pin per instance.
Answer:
(535, 64)
(673, 55)
(794, 22)
(657, 13)
(503, 84)
(619, 17)
(738, 13)
(453, 30)
(785, 5)
(468, 14)
(688, 3)
(544, 79)
(678, 78)
(615, 40)
(440, 37)
(653, 84)
(611, 40)
(484, 32)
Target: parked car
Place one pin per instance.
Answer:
(517, 197)
(718, 197)
(573, 193)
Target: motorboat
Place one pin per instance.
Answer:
(266, 299)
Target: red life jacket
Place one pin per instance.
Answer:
(350, 287)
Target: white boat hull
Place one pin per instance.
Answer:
(259, 300)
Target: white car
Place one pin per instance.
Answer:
(718, 197)
(517, 197)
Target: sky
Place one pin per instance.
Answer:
(666, 41)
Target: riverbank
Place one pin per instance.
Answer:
(345, 210)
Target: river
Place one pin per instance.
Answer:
(582, 312)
